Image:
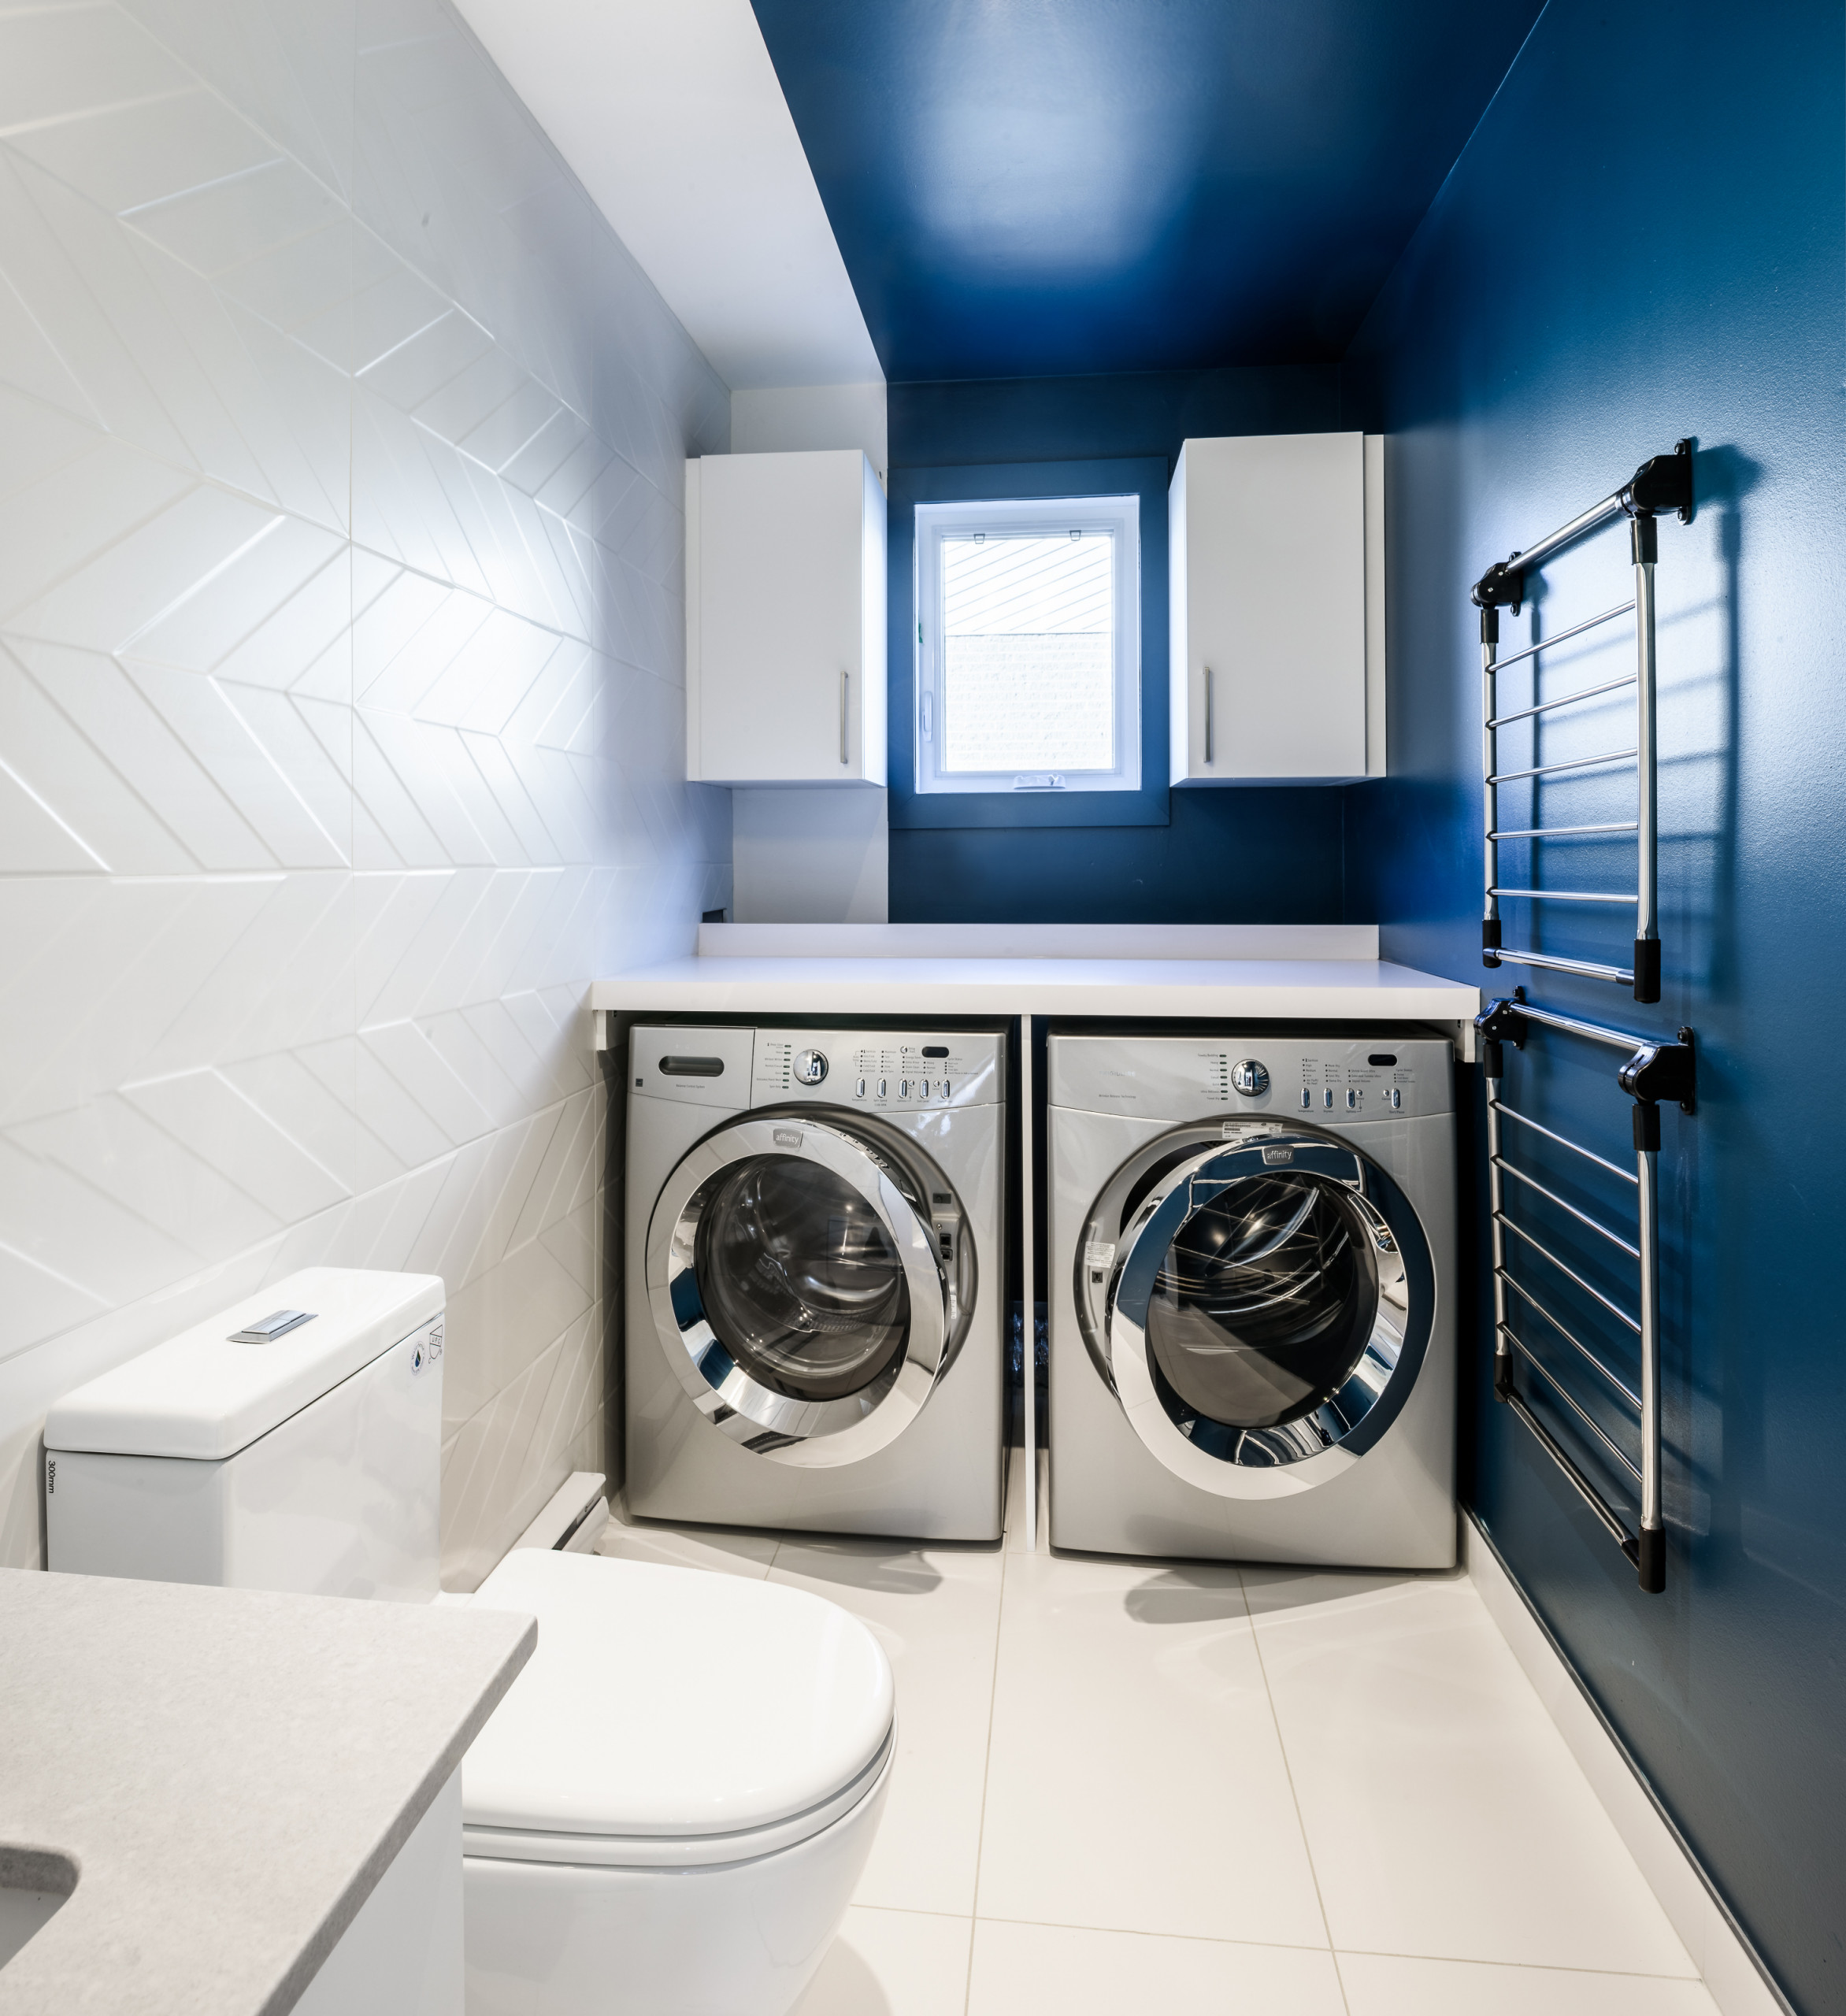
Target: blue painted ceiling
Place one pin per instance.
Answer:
(1029, 188)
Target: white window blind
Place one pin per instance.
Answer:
(1029, 651)
(1028, 659)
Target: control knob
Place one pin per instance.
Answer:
(810, 1067)
(1250, 1078)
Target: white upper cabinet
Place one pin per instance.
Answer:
(785, 619)
(1276, 560)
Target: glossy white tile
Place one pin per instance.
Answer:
(727, 1551)
(936, 1611)
(322, 805)
(892, 1963)
(1445, 1814)
(1379, 1985)
(500, 1467)
(1136, 1781)
(1081, 1973)
(56, 65)
(1720, 1956)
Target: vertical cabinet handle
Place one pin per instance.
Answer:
(845, 680)
(1209, 751)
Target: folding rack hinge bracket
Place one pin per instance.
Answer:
(1662, 482)
(1502, 586)
(1499, 1023)
(1660, 1071)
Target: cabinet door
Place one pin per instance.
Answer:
(785, 619)
(1269, 609)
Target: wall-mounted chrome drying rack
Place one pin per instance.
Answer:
(1663, 483)
(1653, 1070)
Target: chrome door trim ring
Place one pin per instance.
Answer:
(1300, 1455)
(802, 1434)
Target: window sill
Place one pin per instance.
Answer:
(1145, 807)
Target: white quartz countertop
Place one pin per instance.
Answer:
(1292, 990)
(232, 1771)
(1301, 973)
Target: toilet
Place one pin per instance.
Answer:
(668, 1811)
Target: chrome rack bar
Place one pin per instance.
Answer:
(1570, 895)
(1582, 1217)
(1545, 1253)
(1563, 1393)
(1564, 637)
(1646, 541)
(1574, 763)
(1512, 956)
(1576, 1147)
(1565, 699)
(1653, 1070)
(1576, 1342)
(1519, 1009)
(1563, 832)
(1585, 1490)
(1499, 1223)
(1664, 483)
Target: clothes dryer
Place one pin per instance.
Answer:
(1252, 1305)
(814, 1278)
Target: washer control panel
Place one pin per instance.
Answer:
(1330, 1080)
(902, 1070)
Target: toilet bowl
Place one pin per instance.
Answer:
(654, 1835)
(667, 1813)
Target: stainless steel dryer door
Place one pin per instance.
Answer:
(811, 1283)
(1261, 1305)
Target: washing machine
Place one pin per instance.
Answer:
(1252, 1244)
(815, 1278)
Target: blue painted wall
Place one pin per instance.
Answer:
(1225, 856)
(1646, 238)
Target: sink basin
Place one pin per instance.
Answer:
(35, 1883)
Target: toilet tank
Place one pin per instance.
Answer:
(263, 1453)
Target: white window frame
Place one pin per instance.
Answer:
(1120, 517)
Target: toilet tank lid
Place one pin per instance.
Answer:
(204, 1397)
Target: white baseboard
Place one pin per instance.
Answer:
(1719, 1950)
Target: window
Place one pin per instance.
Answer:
(1029, 646)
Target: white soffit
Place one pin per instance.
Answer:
(669, 113)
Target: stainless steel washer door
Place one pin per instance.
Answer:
(1261, 1305)
(811, 1282)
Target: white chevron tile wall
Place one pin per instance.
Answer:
(341, 718)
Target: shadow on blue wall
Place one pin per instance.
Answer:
(1224, 856)
(1645, 238)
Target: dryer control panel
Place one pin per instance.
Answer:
(880, 1070)
(1331, 1081)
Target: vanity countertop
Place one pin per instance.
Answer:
(232, 1771)
(1327, 972)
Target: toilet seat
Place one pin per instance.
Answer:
(681, 1851)
(767, 1718)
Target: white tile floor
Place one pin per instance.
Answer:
(1176, 1786)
